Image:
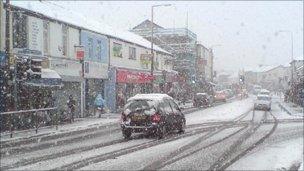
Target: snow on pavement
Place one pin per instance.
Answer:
(224, 112)
(272, 157)
(61, 161)
(78, 125)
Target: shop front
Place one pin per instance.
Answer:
(125, 83)
(95, 74)
(70, 72)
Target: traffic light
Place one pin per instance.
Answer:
(35, 68)
(242, 79)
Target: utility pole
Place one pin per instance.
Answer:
(152, 51)
(9, 58)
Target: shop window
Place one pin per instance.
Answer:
(19, 30)
(64, 40)
(117, 50)
(46, 36)
(132, 53)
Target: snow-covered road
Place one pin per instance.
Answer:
(227, 136)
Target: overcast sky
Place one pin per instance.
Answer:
(245, 30)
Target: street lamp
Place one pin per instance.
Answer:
(152, 54)
(291, 38)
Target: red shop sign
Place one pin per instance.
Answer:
(126, 76)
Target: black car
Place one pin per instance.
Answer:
(151, 114)
(201, 99)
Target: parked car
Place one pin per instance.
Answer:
(263, 102)
(151, 114)
(202, 99)
(220, 96)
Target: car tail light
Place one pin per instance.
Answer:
(155, 117)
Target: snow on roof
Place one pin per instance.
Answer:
(154, 97)
(264, 68)
(57, 12)
(299, 58)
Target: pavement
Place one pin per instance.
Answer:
(291, 108)
(79, 126)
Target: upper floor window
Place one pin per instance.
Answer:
(64, 40)
(98, 50)
(132, 53)
(46, 36)
(117, 50)
(90, 47)
(20, 30)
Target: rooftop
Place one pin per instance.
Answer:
(56, 12)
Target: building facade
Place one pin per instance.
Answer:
(274, 79)
(130, 71)
(111, 65)
(181, 42)
(204, 63)
(96, 64)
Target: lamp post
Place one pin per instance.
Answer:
(291, 39)
(152, 53)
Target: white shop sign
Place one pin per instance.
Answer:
(35, 34)
(66, 67)
(95, 70)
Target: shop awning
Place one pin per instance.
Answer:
(49, 78)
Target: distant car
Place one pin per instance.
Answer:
(256, 89)
(151, 114)
(220, 96)
(202, 99)
(263, 102)
(264, 92)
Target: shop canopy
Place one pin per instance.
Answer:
(49, 78)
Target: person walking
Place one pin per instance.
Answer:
(71, 105)
(99, 104)
(120, 100)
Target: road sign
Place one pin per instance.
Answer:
(79, 52)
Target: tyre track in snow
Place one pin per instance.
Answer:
(35, 143)
(64, 153)
(86, 148)
(158, 164)
(123, 151)
(227, 159)
(103, 157)
(43, 141)
(57, 143)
